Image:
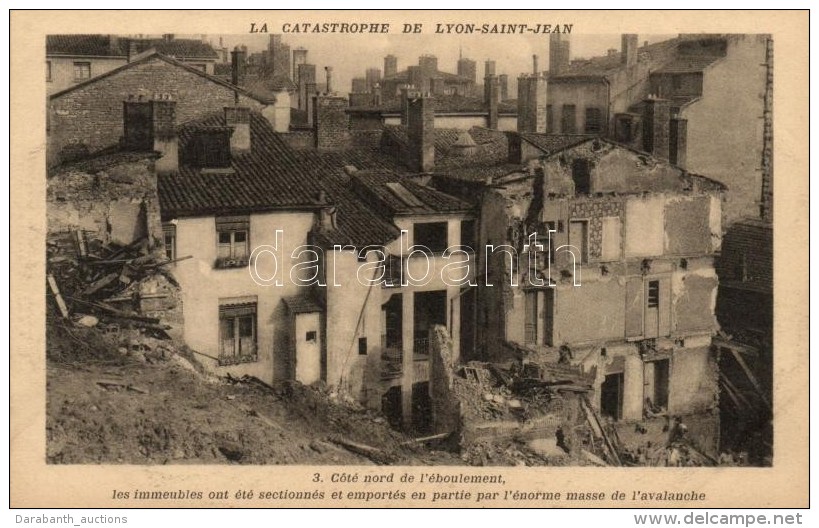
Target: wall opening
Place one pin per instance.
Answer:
(661, 377)
(421, 408)
(530, 324)
(430, 309)
(433, 235)
(611, 396)
(579, 238)
(581, 175)
(391, 406)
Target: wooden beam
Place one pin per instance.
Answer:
(751, 377)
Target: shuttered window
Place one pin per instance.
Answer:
(237, 333)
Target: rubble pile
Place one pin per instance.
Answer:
(111, 286)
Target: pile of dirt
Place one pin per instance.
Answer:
(109, 403)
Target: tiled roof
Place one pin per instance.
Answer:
(303, 303)
(549, 143)
(689, 64)
(113, 46)
(85, 45)
(444, 104)
(401, 196)
(656, 54)
(267, 178)
(492, 145)
(181, 48)
(169, 60)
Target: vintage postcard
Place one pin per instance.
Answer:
(409, 258)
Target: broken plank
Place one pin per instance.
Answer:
(52, 283)
(100, 284)
(751, 377)
(376, 455)
(423, 439)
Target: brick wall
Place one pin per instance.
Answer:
(747, 255)
(92, 115)
(332, 123)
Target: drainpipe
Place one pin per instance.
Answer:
(608, 104)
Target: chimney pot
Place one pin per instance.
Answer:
(328, 70)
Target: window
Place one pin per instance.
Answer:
(677, 82)
(594, 121)
(82, 71)
(468, 237)
(311, 336)
(530, 324)
(653, 294)
(213, 147)
(362, 346)
(550, 126)
(581, 174)
(237, 333)
(433, 235)
(48, 71)
(169, 237)
(568, 123)
(232, 241)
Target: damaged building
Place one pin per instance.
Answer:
(581, 310)
(602, 257)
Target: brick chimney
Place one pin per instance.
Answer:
(628, 49)
(328, 71)
(151, 126)
(238, 118)
(331, 124)
(559, 53)
(490, 100)
(306, 75)
(390, 65)
(237, 63)
(420, 133)
(656, 125)
(532, 101)
(535, 69)
(503, 82)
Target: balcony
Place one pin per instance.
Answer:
(392, 357)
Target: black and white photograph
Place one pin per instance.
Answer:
(507, 242)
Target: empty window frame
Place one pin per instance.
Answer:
(432, 235)
(568, 121)
(169, 239)
(653, 300)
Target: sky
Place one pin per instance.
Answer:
(351, 55)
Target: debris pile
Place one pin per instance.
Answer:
(111, 286)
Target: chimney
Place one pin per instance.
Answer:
(327, 213)
(328, 70)
(488, 68)
(678, 141)
(238, 118)
(311, 92)
(133, 49)
(114, 44)
(306, 75)
(151, 125)
(490, 99)
(559, 53)
(535, 68)
(237, 63)
(628, 51)
(656, 124)
(299, 58)
(503, 82)
(532, 101)
(390, 65)
(420, 133)
(167, 37)
(405, 94)
(331, 128)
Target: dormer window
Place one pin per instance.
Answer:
(213, 147)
